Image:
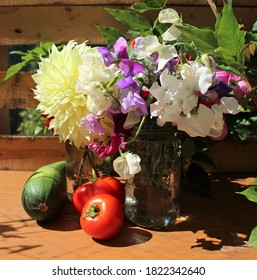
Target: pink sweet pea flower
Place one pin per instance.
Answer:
(240, 86)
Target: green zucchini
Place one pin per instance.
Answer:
(45, 192)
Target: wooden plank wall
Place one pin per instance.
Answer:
(33, 21)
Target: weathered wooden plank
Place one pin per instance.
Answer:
(62, 23)
(231, 157)
(92, 2)
(4, 121)
(242, 3)
(17, 92)
(22, 153)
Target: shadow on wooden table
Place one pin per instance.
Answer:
(225, 219)
(67, 220)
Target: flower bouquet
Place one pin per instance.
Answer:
(100, 97)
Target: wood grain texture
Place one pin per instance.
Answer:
(92, 2)
(33, 24)
(23, 153)
(18, 92)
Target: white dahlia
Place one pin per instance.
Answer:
(56, 92)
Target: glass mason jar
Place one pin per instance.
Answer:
(152, 195)
(82, 166)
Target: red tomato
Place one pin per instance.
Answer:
(116, 186)
(102, 216)
(107, 185)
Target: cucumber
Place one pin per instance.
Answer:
(45, 191)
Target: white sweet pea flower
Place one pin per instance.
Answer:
(229, 105)
(150, 44)
(174, 97)
(200, 79)
(218, 121)
(131, 120)
(170, 16)
(196, 124)
(127, 165)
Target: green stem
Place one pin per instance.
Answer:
(136, 134)
(78, 180)
(94, 171)
(92, 212)
(213, 7)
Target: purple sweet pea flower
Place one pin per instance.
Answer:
(108, 56)
(120, 51)
(222, 88)
(128, 83)
(120, 48)
(90, 123)
(133, 100)
(130, 68)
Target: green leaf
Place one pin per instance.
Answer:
(254, 31)
(18, 52)
(229, 36)
(253, 238)
(12, 70)
(141, 7)
(203, 38)
(154, 3)
(111, 34)
(250, 193)
(130, 19)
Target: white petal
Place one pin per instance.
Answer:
(147, 46)
(218, 122)
(187, 71)
(131, 120)
(133, 162)
(196, 124)
(189, 103)
(168, 16)
(120, 166)
(165, 54)
(168, 81)
(171, 34)
(205, 77)
(229, 105)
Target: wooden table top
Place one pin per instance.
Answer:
(214, 228)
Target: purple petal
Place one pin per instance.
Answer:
(125, 82)
(140, 105)
(128, 83)
(130, 68)
(120, 48)
(222, 89)
(90, 123)
(107, 55)
(127, 102)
